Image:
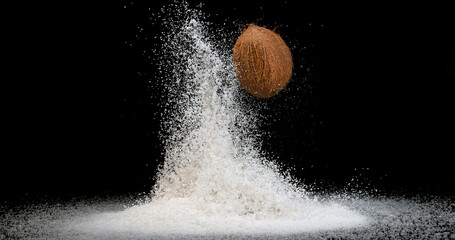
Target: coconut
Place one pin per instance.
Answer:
(262, 60)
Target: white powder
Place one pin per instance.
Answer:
(215, 183)
(214, 179)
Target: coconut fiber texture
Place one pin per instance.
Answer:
(262, 60)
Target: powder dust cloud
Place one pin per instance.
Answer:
(215, 181)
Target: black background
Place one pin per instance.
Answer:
(371, 97)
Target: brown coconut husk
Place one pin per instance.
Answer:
(262, 60)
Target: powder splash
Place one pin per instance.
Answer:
(215, 182)
(214, 178)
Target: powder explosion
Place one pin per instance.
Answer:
(214, 181)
